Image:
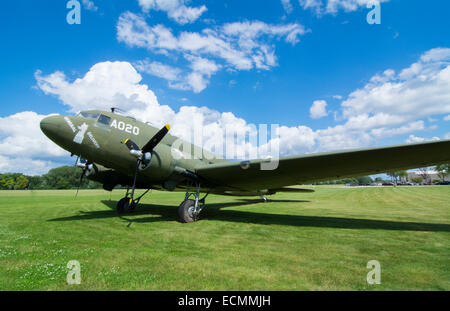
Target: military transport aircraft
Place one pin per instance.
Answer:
(114, 149)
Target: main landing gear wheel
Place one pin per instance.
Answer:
(125, 206)
(186, 211)
(190, 209)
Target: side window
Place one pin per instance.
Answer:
(89, 115)
(104, 120)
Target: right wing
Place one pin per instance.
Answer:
(294, 170)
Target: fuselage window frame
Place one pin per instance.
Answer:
(105, 120)
(89, 115)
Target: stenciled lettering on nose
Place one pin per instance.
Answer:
(79, 137)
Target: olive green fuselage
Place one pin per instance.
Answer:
(99, 136)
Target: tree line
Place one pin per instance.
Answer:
(396, 177)
(442, 171)
(361, 180)
(64, 177)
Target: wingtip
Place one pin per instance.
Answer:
(168, 126)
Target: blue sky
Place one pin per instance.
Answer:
(316, 56)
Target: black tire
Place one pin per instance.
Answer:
(183, 211)
(120, 207)
(124, 206)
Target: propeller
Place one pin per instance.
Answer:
(87, 167)
(156, 139)
(144, 155)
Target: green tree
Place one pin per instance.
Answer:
(443, 170)
(64, 177)
(7, 181)
(393, 175)
(417, 180)
(364, 180)
(36, 182)
(21, 182)
(397, 175)
(348, 180)
(402, 174)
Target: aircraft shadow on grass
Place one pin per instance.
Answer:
(217, 211)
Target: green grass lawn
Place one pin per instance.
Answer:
(304, 241)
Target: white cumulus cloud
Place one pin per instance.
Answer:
(415, 139)
(22, 136)
(89, 5)
(318, 109)
(333, 6)
(23, 147)
(287, 5)
(420, 90)
(175, 9)
(235, 46)
(106, 85)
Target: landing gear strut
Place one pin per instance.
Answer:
(144, 156)
(128, 204)
(189, 210)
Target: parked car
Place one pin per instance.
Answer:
(387, 184)
(443, 183)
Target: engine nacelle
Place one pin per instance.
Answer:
(90, 168)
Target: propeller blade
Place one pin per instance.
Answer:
(156, 139)
(87, 167)
(76, 162)
(83, 173)
(131, 144)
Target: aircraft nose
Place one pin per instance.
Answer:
(50, 126)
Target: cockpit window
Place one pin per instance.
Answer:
(89, 115)
(104, 119)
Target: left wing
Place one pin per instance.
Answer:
(294, 170)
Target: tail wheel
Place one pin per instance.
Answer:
(186, 211)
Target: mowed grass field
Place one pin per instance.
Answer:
(305, 241)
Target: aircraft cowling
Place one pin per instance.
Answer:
(92, 170)
(161, 164)
(108, 177)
